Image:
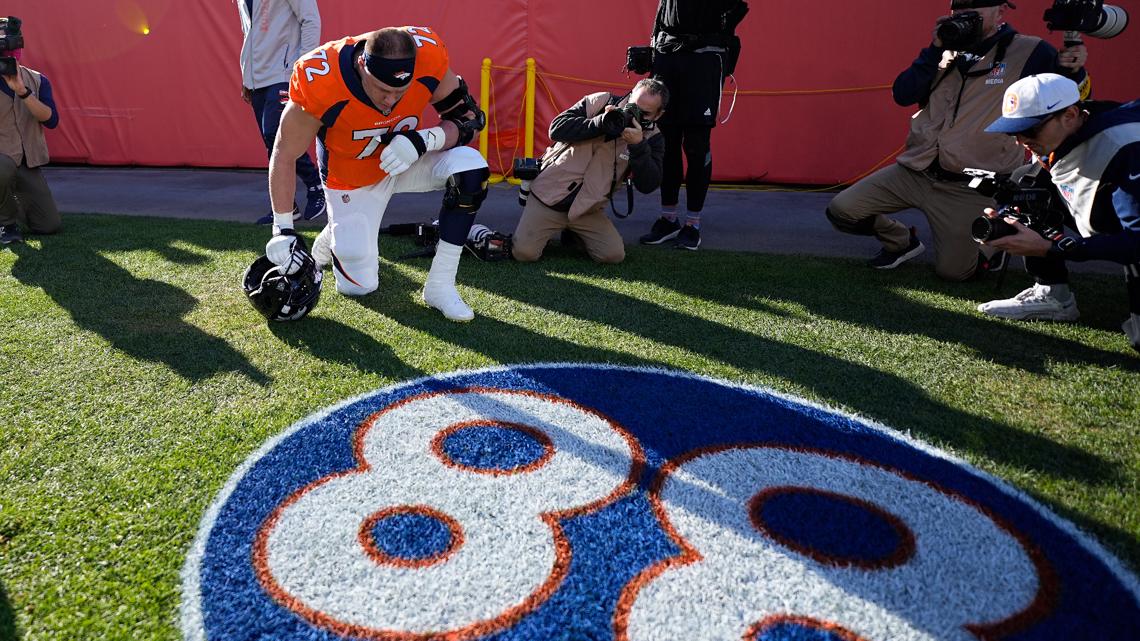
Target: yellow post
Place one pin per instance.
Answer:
(485, 105)
(529, 140)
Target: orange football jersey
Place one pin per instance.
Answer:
(326, 85)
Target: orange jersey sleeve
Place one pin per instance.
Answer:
(327, 86)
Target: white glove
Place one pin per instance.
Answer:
(286, 250)
(401, 151)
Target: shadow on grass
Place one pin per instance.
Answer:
(495, 339)
(8, 630)
(872, 392)
(849, 292)
(143, 318)
(331, 341)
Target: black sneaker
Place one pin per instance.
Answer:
(889, 259)
(688, 238)
(663, 230)
(10, 234)
(314, 204)
(267, 219)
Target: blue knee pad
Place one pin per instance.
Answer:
(466, 190)
(464, 193)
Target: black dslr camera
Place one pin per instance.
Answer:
(11, 39)
(639, 60)
(1092, 17)
(1030, 206)
(526, 170)
(962, 31)
(617, 120)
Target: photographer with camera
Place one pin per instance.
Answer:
(28, 103)
(598, 143)
(694, 49)
(957, 82)
(1087, 154)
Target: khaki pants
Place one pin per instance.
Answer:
(540, 223)
(950, 208)
(28, 187)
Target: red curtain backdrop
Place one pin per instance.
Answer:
(157, 83)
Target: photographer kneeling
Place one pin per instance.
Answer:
(1088, 156)
(597, 144)
(26, 98)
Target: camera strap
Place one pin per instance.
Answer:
(628, 191)
(732, 105)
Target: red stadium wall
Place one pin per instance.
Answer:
(156, 82)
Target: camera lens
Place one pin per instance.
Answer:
(985, 228)
(1113, 20)
(961, 31)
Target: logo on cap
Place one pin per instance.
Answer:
(401, 75)
(1010, 105)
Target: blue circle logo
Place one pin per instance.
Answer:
(634, 504)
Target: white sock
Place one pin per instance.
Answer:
(445, 264)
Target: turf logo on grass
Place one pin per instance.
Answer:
(596, 502)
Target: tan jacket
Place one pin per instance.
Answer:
(958, 140)
(591, 168)
(25, 141)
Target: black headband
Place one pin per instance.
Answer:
(394, 72)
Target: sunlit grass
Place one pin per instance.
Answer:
(136, 378)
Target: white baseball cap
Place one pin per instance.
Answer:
(1031, 99)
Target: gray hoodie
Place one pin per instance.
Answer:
(277, 33)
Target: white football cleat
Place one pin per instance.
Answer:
(446, 299)
(1040, 302)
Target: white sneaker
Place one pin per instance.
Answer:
(446, 299)
(1040, 302)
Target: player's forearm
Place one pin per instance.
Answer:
(282, 181)
(450, 133)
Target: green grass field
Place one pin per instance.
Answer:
(136, 379)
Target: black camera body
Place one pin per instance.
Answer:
(11, 38)
(1091, 17)
(962, 31)
(1030, 206)
(639, 60)
(617, 120)
(489, 245)
(526, 170)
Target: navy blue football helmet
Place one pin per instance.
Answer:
(280, 296)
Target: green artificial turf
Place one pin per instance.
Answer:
(135, 379)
